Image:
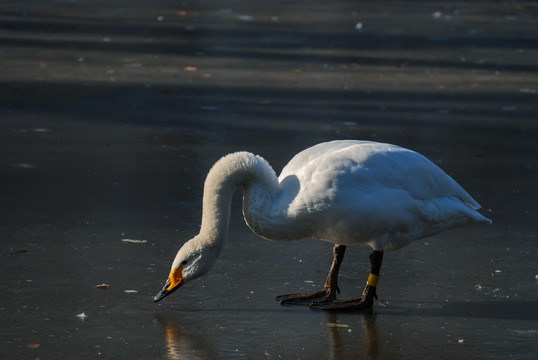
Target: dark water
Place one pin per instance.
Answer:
(111, 115)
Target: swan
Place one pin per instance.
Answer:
(345, 192)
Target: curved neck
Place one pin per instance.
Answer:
(240, 169)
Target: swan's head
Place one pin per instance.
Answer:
(194, 259)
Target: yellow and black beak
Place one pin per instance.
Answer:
(174, 282)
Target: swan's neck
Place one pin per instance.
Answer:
(240, 169)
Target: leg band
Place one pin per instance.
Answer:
(373, 280)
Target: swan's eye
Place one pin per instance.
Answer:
(184, 262)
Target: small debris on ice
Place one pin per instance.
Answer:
(24, 166)
(336, 325)
(130, 291)
(245, 18)
(11, 252)
(359, 26)
(81, 316)
(508, 108)
(133, 241)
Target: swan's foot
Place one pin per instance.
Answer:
(327, 294)
(329, 291)
(366, 302)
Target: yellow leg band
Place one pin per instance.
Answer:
(373, 280)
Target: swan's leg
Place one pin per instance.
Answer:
(368, 295)
(328, 293)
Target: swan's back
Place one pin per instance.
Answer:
(360, 190)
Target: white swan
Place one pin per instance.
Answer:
(344, 192)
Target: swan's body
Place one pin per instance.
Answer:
(344, 192)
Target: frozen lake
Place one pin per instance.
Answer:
(112, 115)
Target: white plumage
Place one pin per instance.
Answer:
(345, 192)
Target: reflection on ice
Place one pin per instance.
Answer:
(185, 339)
(173, 342)
(337, 348)
(183, 344)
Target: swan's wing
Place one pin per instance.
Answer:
(349, 164)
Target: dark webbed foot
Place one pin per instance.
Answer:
(327, 294)
(347, 305)
(368, 295)
(326, 298)
(363, 303)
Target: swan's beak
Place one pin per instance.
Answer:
(174, 282)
